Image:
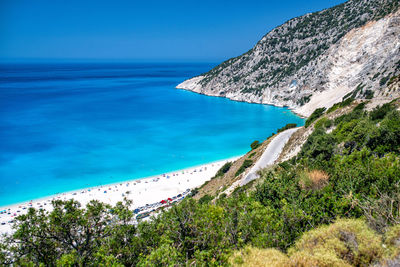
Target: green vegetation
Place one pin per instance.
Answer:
(224, 169)
(344, 243)
(315, 115)
(287, 126)
(246, 163)
(368, 94)
(348, 99)
(384, 80)
(335, 204)
(304, 100)
(255, 145)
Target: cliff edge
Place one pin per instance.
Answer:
(315, 60)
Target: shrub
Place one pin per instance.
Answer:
(380, 111)
(360, 106)
(346, 102)
(255, 144)
(247, 163)
(344, 243)
(315, 115)
(224, 169)
(369, 94)
(382, 212)
(384, 80)
(324, 122)
(164, 255)
(287, 126)
(392, 237)
(319, 146)
(205, 199)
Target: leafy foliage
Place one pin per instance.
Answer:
(255, 145)
(287, 126)
(224, 169)
(315, 115)
(246, 163)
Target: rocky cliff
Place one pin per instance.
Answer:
(315, 60)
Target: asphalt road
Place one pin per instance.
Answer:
(269, 156)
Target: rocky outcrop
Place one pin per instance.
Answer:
(351, 50)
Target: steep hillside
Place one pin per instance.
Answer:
(314, 60)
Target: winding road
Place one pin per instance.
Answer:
(270, 155)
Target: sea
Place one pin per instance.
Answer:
(67, 126)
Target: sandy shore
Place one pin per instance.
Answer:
(144, 191)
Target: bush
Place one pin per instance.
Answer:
(255, 145)
(319, 146)
(381, 213)
(360, 106)
(323, 123)
(247, 163)
(224, 169)
(380, 112)
(315, 115)
(369, 94)
(344, 243)
(205, 199)
(346, 102)
(384, 80)
(287, 126)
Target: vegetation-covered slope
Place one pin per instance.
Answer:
(348, 168)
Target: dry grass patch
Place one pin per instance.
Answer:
(313, 180)
(250, 256)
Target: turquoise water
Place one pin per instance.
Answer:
(69, 126)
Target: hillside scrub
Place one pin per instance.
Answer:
(315, 115)
(246, 163)
(346, 242)
(344, 174)
(287, 126)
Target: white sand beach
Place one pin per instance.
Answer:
(144, 191)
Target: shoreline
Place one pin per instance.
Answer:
(292, 109)
(141, 191)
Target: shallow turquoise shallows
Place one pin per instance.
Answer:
(70, 126)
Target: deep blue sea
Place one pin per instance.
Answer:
(69, 126)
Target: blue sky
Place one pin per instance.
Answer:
(152, 30)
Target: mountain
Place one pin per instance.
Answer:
(315, 60)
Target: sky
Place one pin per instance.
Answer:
(147, 30)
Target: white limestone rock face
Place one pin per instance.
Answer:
(356, 59)
(315, 60)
